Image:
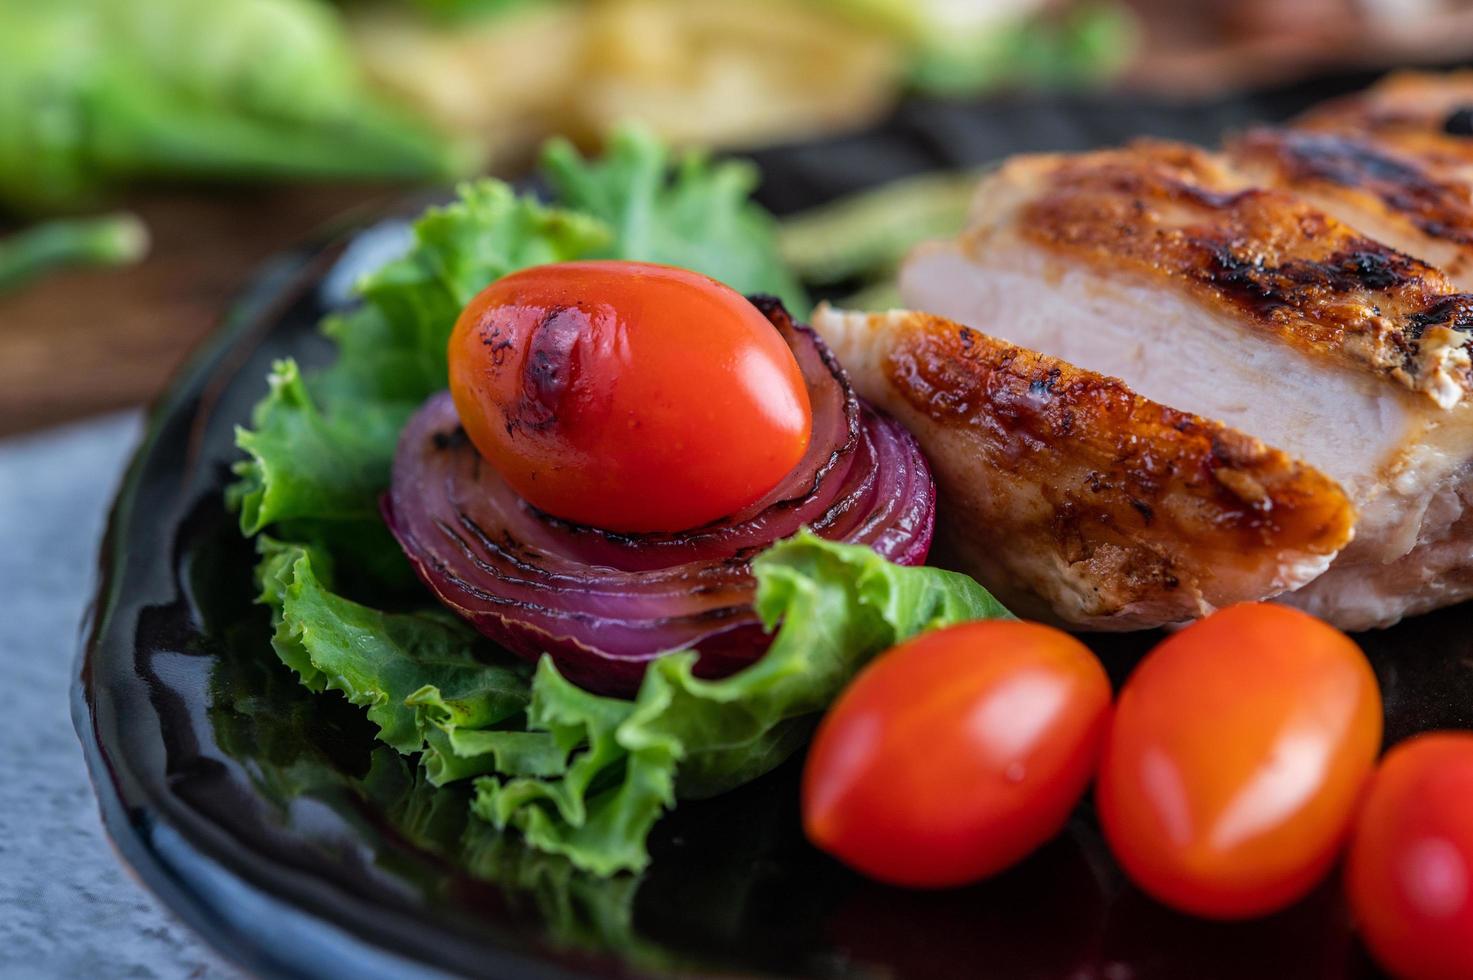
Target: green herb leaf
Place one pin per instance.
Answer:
(306, 463)
(116, 239)
(698, 215)
(94, 92)
(380, 660)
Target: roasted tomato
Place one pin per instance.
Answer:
(1237, 753)
(957, 753)
(628, 396)
(1410, 870)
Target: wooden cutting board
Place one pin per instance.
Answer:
(82, 342)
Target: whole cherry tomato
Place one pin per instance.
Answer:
(957, 753)
(1410, 869)
(1235, 759)
(628, 396)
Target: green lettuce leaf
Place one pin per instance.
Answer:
(700, 216)
(379, 660)
(308, 461)
(587, 776)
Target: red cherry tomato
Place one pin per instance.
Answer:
(1233, 765)
(628, 396)
(1410, 870)
(957, 753)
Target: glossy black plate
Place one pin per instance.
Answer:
(267, 818)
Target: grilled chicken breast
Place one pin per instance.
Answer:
(1066, 493)
(1166, 267)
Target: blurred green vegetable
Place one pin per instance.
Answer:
(875, 297)
(98, 91)
(858, 241)
(116, 239)
(960, 49)
(679, 209)
(866, 234)
(1082, 44)
(457, 10)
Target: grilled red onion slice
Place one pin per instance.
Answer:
(603, 604)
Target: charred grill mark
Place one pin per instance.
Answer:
(1459, 122)
(1246, 281)
(1373, 270)
(1306, 277)
(1439, 208)
(499, 343)
(1263, 288)
(1337, 158)
(1454, 311)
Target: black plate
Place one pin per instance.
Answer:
(269, 821)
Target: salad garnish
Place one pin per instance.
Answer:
(576, 772)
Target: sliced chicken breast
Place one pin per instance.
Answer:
(1070, 495)
(1158, 265)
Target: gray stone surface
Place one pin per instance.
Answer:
(67, 907)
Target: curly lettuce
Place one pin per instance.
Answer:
(587, 776)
